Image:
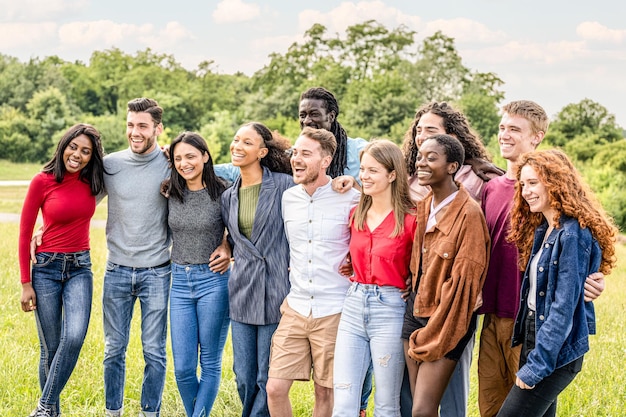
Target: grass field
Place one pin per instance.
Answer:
(598, 391)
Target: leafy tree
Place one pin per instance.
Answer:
(609, 185)
(370, 48)
(482, 113)
(374, 106)
(583, 147)
(112, 130)
(218, 134)
(19, 82)
(50, 109)
(438, 74)
(612, 155)
(584, 118)
(15, 136)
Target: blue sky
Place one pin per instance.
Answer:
(552, 51)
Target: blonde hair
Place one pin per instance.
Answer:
(530, 111)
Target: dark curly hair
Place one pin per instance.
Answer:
(454, 123)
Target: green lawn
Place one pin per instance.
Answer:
(18, 171)
(597, 391)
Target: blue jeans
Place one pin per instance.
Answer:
(251, 361)
(370, 330)
(122, 286)
(199, 325)
(63, 284)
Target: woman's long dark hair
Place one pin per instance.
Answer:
(214, 185)
(93, 173)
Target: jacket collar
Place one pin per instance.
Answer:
(453, 211)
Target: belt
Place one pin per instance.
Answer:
(164, 264)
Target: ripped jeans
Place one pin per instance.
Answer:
(370, 328)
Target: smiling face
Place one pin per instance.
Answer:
(142, 132)
(516, 137)
(77, 153)
(432, 165)
(535, 192)
(309, 163)
(429, 124)
(313, 113)
(189, 163)
(376, 180)
(247, 147)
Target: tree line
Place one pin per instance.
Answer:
(380, 76)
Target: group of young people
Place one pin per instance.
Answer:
(332, 259)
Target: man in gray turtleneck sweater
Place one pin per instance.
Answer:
(138, 264)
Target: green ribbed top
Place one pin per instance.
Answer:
(248, 199)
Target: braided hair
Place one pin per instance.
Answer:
(340, 159)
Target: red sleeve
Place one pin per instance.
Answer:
(32, 204)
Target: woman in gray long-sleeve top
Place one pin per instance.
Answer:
(200, 263)
(259, 279)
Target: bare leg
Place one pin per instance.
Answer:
(278, 397)
(411, 366)
(323, 402)
(430, 384)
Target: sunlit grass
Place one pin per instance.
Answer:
(597, 391)
(18, 171)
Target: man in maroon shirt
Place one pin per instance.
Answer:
(522, 128)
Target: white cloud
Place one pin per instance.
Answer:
(594, 31)
(515, 52)
(234, 11)
(172, 34)
(464, 31)
(101, 33)
(350, 13)
(21, 35)
(34, 10)
(105, 33)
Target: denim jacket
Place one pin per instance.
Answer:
(563, 320)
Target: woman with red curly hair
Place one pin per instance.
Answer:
(562, 234)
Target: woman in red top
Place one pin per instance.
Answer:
(382, 226)
(59, 286)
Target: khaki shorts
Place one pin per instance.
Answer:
(303, 343)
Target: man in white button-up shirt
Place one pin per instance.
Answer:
(317, 228)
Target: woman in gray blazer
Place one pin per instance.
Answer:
(259, 279)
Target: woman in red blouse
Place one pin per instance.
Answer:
(58, 288)
(382, 226)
